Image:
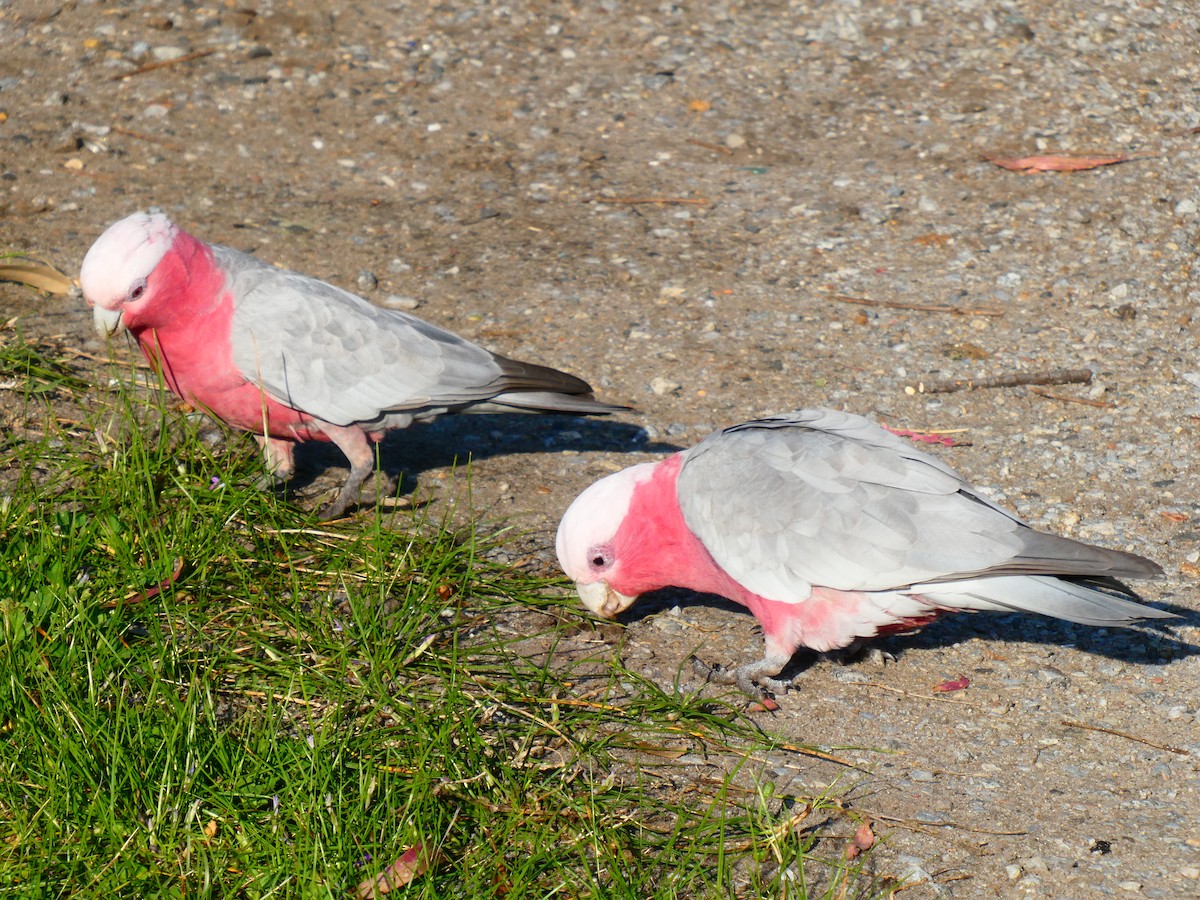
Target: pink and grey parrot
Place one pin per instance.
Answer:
(830, 530)
(291, 358)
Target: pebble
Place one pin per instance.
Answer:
(1185, 207)
(735, 141)
(663, 386)
(366, 280)
(399, 301)
(167, 52)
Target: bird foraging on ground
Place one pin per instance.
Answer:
(830, 530)
(290, 358)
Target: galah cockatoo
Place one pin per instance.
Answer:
(291, 358)
(831, 530)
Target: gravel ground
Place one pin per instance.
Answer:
(486, 164)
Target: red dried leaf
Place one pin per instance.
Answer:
(415, 861)
(766, 704)
(1172, 516)
(926, 437)
(1029, 164)
(958, 684)
(864, 839)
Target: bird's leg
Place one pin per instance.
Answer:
(871, 654)
(352, 441)
(746, 676)
(277, 455)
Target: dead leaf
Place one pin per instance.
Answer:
(958, 684)
(34, 273)
(211, 829)
(927, 437)
(1028, 164)
(933, 239)
(415, 861)
(1171, 516)
(864, 839)
(699, 106)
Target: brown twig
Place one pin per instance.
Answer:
(692, 201)
(919, 825)
(1052, 395)
(915, 696)
(1013, 379)
(707, 146)
(163, 63)
(129, 132)
(921, 307)
(1127, 736)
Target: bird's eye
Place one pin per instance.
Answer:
(137, 290)
(599, 561)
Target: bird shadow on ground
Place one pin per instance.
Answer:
(455, 439)
(1146, 643)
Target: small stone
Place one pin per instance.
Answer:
(167, 52)
(398, 301)
(735, 141)
(921, 775)
(366, 280)
(1013, 872)
(1134, 887)
(663, 386)
(1185, 207)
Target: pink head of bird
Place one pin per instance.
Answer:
(587, 541)
(116, 271)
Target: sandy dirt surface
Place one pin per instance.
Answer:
(493, 166)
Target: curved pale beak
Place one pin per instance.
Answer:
(603, 600)
(108, 321)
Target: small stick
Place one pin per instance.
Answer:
(1127, 736)
(1014, 379)
(921, 307)
(1052, 395)
(694, 201)
(163, 63)
(915, 696)
(128, 132)
(707, 146)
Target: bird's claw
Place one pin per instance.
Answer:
(745, 677)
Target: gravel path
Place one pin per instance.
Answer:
(492, 166)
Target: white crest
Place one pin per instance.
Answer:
(127, 252)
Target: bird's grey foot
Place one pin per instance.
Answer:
(860, 651)
(348, 495)
(352, 441)
(752, 678)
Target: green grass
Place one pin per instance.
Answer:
(303, 702)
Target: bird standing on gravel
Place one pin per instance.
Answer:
(830, 530)
(291, 358)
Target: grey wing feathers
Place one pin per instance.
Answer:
(819, 497)
(339, 358)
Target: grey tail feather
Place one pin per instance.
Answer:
(551, 401)
(523, 385)
(1088, 601)
(1050, 554)
(522, 376)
